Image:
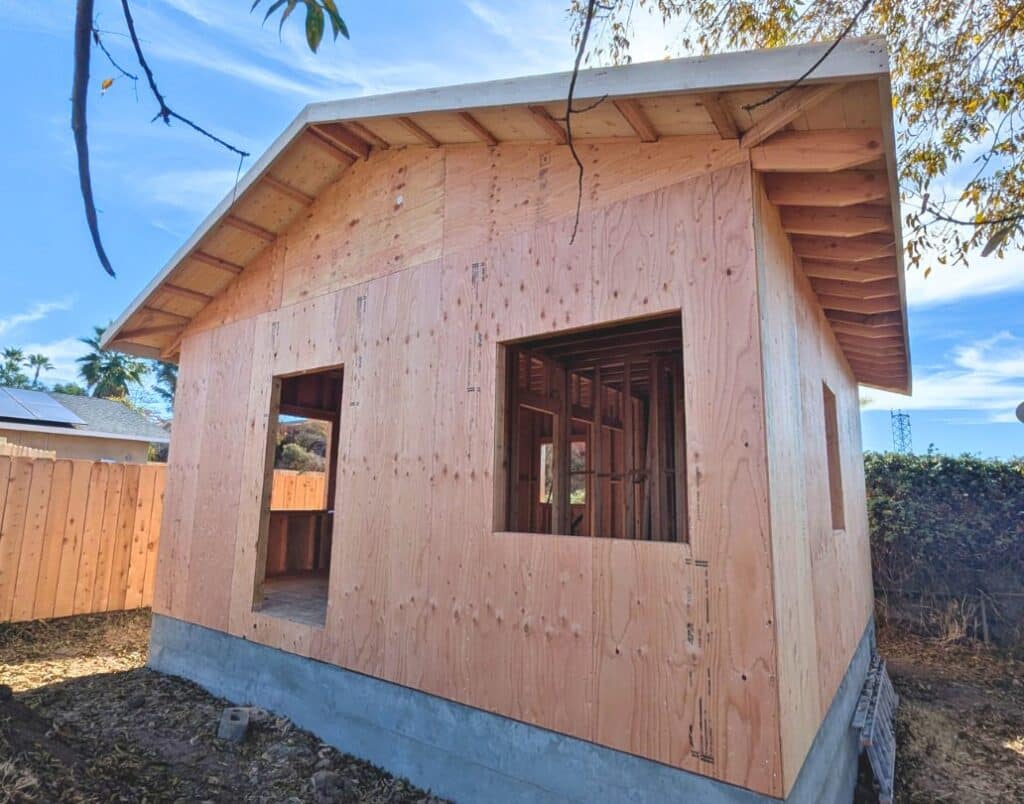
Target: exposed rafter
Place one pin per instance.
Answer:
(844, 249)
(328, 146)
(784, 110)
(185, 293)
(822, 151)
(851, 221)
(249, 228)
(216, 262)
(419, 132)
(720, 116)
(369, 135)
(630, 110)
(286, 189)
(841, 189)
(340, 135)
(477, 128)
(550, 126)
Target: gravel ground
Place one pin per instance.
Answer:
(89, 723)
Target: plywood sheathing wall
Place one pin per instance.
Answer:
(823, 589)
(664, 650)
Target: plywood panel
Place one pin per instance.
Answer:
(801, 713)
(660, 649)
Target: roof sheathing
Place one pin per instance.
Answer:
(853, 60)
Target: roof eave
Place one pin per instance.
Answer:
(852, 59)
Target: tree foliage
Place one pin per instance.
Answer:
(958, 83)
(107, 374)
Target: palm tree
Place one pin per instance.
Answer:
(38, 362)
(166, 382)
(109, 375)
(11, 374)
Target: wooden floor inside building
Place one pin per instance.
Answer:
(299, 598)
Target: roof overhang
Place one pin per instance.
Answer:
(849, 241)
(71, 432)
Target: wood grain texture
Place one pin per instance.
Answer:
(660, 649)
(822, 577)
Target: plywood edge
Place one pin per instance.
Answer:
(797, 724)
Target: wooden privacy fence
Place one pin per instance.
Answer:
(18, 450)
(78, 537)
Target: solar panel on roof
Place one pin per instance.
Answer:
(38, 406)
(9, 407)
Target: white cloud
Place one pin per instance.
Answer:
(190, 190)
(985, 376)
(62, 354)
(984, 276)
(36, 312)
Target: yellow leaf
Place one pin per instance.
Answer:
(107, 84)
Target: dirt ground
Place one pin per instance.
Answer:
(89, 723)
(960, 724)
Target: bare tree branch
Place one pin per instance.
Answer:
(79, 99)
(794, 84)
(569, 112)
(165, 112)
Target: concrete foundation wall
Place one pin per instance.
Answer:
(467, 754)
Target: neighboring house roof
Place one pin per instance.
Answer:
(87, 416)
(827, 145)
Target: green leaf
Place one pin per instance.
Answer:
(337, 23)
(314, 25)
(287, 11)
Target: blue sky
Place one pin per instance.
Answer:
(216, 64)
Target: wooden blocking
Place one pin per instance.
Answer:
(370, 136)
(844, 249)
(785, 109)
(549, 125)
(720, 116)
(328, 146)
(287, 190)
(851, 221)
(864, 271)
(630, 110)
(185, 294)
(817, 151)
(216, 262)
(839, 189)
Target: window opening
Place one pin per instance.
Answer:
(595, 441)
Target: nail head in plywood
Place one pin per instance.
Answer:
(419, 132)
(844, 249)
(550, 126)
(784, 110)
(817, 151)
(630, 110)
(344, 138)
(851, 221)
(720, 116)
(477, 128)
(216, 262)
(249, 228)
(287, 190)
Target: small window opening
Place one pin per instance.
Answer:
(835, 476)
(297, 522)
(595, 433)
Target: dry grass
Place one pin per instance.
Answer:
(960, 725)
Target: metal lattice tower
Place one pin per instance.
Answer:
(901, 441)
